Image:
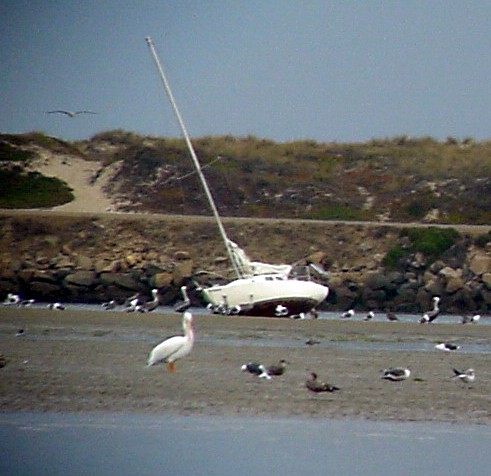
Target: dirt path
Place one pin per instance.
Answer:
(78, 174)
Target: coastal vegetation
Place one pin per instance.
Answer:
(398, 179)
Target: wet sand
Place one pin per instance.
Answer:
(93, 361)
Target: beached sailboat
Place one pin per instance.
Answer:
(260, 289)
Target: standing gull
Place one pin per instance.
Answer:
(186, 303)
(174, 348)
(430, 316)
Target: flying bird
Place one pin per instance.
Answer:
(175, 347)
(70, 113)
(430, 316)
(317, 386)
(467, 376)
(396, 374)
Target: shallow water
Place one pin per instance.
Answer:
(100, 444)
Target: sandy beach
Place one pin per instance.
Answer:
(87, 361)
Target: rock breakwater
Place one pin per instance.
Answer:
(94, 258)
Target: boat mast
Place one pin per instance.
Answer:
(233, 259)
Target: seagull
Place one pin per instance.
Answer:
(277, 369)
(369, 316)
(467, 376)
(316, 386)
(11, 299)
(447, 347)
(174, 348)
(70, 113)
(20, 333)
(150, 306)
(109, 305)
(186, 303)
(56, 306)
(280, 310)
(256, 368)
(396, 374)
(430, 316)
(348, 314)
(472, 320)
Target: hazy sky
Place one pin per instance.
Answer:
(283, 70)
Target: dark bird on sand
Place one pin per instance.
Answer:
(277, 369)
(391, 316)
(70, 113)
(317, 386)
(311, 341)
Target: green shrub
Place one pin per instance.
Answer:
(32, 190)
(431, 241)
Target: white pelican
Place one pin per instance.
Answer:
(468, 376)
(396, 374)
(70, 113)
(175, 347)
(430, 316)
(316, 386)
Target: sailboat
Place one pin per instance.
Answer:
(259, 289)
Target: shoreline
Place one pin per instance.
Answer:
(88, 361)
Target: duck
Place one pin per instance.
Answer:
(391, 316)
(316, 386)
(277, 369)
(396, 374)
(174, 348)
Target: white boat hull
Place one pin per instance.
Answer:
(265, 295)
